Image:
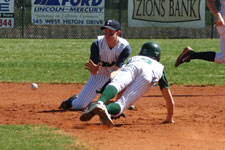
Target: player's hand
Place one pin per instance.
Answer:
(92, 67)
(219, 20)
(168, 121)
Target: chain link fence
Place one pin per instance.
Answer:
(114, 9)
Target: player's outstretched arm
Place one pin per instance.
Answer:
(170, 105)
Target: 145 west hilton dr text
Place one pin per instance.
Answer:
(67, 21)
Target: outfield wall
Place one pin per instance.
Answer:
(116, 9)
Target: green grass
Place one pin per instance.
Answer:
(62, 60)
(26, 137)
(53, 61)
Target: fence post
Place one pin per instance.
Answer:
(120, 17)
(22, 9)
(120, 9)
(212, 25)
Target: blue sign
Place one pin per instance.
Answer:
(68, 12)
(6, 13)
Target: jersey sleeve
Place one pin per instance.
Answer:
(163, 82)
(95, 52)
(123, 56)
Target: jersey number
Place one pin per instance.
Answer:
(147, 60)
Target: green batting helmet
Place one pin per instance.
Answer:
(151, 49)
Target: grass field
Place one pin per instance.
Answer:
(30, 137)
(62, 61)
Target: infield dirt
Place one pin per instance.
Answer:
(199, 117)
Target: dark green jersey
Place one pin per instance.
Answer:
(163, 82)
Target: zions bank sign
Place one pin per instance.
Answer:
(68, 12)
(167, 11)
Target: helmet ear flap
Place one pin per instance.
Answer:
(144, 52)
(151, 49)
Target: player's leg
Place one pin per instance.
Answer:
(88, 92)
(207, 56)
(97, 108)
(109, 93)
(119, 82)
(220, 57)
(133, 92)
(116, 109)
(67, 104)
(113, 108)
(188, 54)
(140, 85)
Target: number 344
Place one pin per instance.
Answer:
(5, 22)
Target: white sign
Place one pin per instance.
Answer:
(68, 12)
(166, 13)
(6, 13)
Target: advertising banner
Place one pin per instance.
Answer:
(6, 13)
(166, 13)
(68, 12)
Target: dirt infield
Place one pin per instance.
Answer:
(199, 117)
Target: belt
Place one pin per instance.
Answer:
(106, 64)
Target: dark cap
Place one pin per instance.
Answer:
(112, 25)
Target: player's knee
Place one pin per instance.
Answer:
(78, 105)
(221, 30)
(219, 59)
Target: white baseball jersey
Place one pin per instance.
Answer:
(138, 76)
(110, 55)
(95, 82)
(220, 57)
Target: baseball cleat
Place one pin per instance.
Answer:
(132, 107)
(117, 117)
(97, 108)
(67, 104)
(184, 56)
(89, 113)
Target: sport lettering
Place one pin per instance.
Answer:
(161, 8)
(181, 8)
(68, 2)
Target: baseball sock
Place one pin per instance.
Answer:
(113, 108)
(109, 92)
(209, 56)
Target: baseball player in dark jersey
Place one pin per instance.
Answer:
(189, 54)
(136, 77)
(108, 54)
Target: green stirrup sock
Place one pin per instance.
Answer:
(109, 92)
(113, 108)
